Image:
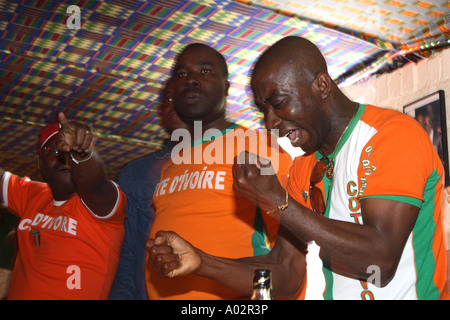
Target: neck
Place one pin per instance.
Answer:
(62, 197)
(219, 124)
(339, 127)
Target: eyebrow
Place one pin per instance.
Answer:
(200, 63)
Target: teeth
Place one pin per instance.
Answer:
(287, 134)
(294, 138)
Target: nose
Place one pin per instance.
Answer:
(62, 157)
(191, 81)
(272, 120)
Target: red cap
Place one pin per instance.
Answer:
(49, 132)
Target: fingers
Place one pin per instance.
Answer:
(65, 137)
(163, 259)
(248, 166)
(160, 238)
(74, 136)
(169, 236)
(161, 254)
(254, 179)
(83, 140)
(245, 174)
(250, 160)
(173, 256)
(63, 120)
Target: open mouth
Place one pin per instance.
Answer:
(294, 136)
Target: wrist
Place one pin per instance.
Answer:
(276, 212)
(201, 269)
(79, 157)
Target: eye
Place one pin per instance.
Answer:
(205, 71)
(51, 150)
(181, 74)
(277, 104)
(262, 107)
(277, 100)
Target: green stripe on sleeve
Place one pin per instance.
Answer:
(414, 201)
(423, 236)
(259, 236)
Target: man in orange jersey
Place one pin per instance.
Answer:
(195, 196)
(368, 189)
(71, 227)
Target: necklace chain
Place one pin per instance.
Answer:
(329, 169)
(342, 134)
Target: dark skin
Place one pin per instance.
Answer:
(293, 89)
(65, 178)
(170, 120)
(200, 87)
(299, 100)
(200, 90)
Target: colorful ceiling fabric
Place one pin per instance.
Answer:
(408, 30)
(109, 72)
(394, 21)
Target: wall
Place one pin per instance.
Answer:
(405, 85)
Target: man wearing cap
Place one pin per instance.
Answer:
(71, 228)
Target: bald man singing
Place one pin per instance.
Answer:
(368, 191)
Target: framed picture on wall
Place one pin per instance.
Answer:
(430, 112)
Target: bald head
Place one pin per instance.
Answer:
(293, 89)
(295, 52)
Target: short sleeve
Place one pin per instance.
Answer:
(397, 162)
(18, 193)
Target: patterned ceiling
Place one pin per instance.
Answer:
(110, 71)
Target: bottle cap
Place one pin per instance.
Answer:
(261, 278)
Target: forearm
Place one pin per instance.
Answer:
(286, 261)
(235, 274)
(93, 184)
(172, 256)
(348, 248)
(88, 171)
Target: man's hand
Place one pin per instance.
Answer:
(73, 136)
(255, 180)
(171, 255)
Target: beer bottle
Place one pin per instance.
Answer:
(262, 285)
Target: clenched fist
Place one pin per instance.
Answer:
(171, 255)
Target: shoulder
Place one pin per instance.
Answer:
(144, 162)
(14, 181)
(18, 190)
(390, 128)
(382, 118)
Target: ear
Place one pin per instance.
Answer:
(227, 87)
(322, 85)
